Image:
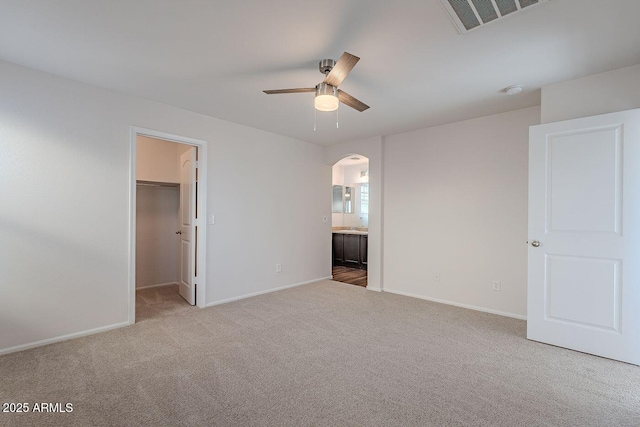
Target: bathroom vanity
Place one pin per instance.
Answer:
(350, 248)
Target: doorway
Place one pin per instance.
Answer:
(350, 220)
(167, 233)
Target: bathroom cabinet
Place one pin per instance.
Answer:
(363, 250)
(338, 249)
(350, 250)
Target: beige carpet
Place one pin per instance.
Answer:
(153, 303)
(322, 354)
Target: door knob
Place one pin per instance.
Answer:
(535, 243)
(179, 232)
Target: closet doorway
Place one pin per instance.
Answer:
(168, 241)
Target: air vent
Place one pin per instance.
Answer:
(471, 14)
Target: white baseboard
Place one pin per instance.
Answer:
(268, 291)
(156, 286)
(372, 288)
(457, 304)
(62, 338)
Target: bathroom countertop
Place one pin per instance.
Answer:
(364, 233)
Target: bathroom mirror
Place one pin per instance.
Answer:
(337, 199)
(348, 200)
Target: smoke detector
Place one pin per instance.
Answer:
(468, 15)
(513, 90)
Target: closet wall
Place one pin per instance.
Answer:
(156, 241)
(157, 204)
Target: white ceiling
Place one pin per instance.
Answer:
(352, 160)
(215, 57)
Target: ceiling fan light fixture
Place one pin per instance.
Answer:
(326, 97)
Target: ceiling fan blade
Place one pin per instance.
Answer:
(339, 72)
(299, 90)
(352, 102)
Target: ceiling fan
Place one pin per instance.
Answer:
(328, 96)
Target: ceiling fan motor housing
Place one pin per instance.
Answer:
(326, 89)
(326, 65)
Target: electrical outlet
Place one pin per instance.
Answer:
(497, 285)
(436, 277)
(278, 268)
(212, 219)
(325, 219)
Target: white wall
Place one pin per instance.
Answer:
(337, 175)
(156, 240)
(352, 173)
(65, 182)
(455, 203)
(609, 92)
(372, 149)
(270, 195)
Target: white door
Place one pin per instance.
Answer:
(584, 235)
(187, 225)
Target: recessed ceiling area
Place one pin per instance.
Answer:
(416, 70)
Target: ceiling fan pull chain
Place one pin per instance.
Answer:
(315, 119)
(337, 109)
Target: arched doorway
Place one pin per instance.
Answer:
(372, 149)
(350, 220)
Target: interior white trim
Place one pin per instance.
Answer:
(40, 343)
(157, 286)
(202, 214)
(456, 304)
(268, 291)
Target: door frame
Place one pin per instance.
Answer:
(201, 222)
